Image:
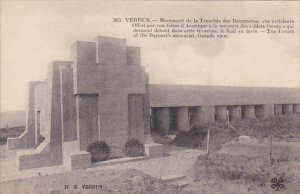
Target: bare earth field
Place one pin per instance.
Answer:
(242, 166)
(240, 162)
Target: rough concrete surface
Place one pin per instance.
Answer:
(104, 94)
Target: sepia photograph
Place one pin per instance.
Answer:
(130, 97)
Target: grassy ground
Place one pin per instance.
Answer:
(10, 132)
(286, 128)
(283, 127)
(242, 165)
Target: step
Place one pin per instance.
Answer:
(119, 161)
(172, 178)
(181, 183)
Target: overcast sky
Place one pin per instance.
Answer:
(33, 34)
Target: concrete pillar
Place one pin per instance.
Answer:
(31, 119)
(287, 109)
(37, 127)
(278, 109)
(260, 111)
(182, 119)
(49, 152)
(208, 113)
(152, 119)
(162, 120)
(173, 118)
(147, 119)
(27, 138)
(248, 112)
(221, 113)
(235, 112)
(296, 108)
(68, 104)
(196, 115)
(269, 110)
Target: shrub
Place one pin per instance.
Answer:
(134, 148)
(99, 151)
(192, 138)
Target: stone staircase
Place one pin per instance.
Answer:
(177, 180)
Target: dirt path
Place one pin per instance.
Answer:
(117, 178)
(178, 162)
(8, 167)
(119, 181)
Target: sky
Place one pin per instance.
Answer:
(35, 33)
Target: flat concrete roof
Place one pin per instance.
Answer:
(194, 95)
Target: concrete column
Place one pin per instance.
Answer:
(260, 111)
(49, 152)
(196, 116)
(221, 113)
(37, 127)
(296, 108)
(235, 112)
(248, 112)
(208, 113)
(278, 108)
(68, 104)
(147, 108)
(173, 119)
(31, 119)
(162, 120)
(27, 138)
(269, 110)
(182, 119)
(152, 119)
(287, 109)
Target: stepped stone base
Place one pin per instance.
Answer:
(74, 159)
(177, 180)
(154, 150)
